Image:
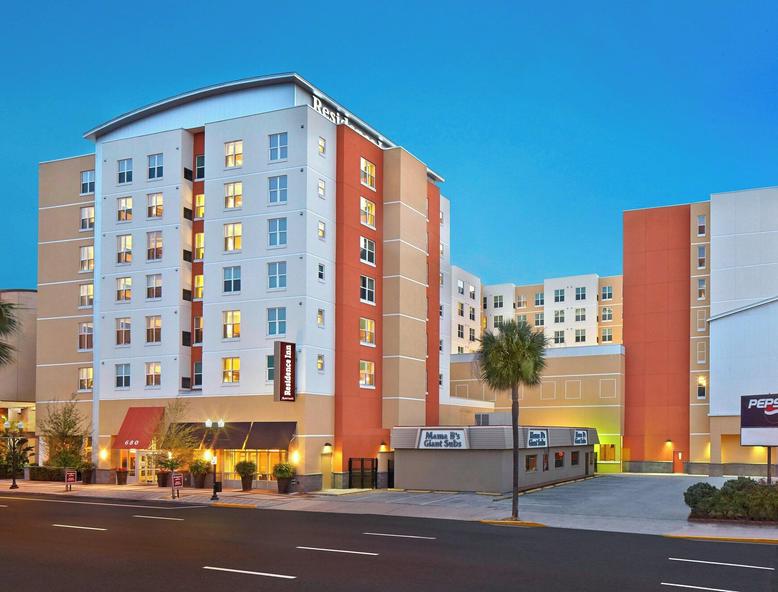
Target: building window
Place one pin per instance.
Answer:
(559, 295)
(366, 331)
(154, 286)
(123, 289)
(540, 298)
(366, 374)
(580, 335)
(231, 324)
(574, 457)
(87, 258)
(498, 302)
(86, 295)
(559, 459)
(231, 279)
(366, 250)
(154, 205)
(521, 301)
(276, 232)
(607, 335)
(701, 288)
(155, 166)
(276, 189)
(87, 218)
(154, 245)
(320, 271)
(87, 182)
(442, 249)
(472, 334)
(522, 318)
(701, 225)
(154, 329)
(320, 318)
(607, 313)
(124, 209)
(276, 321)
(460, 287)
(545, 462)
(321, 230)
(580, 314)
(472, 313)
(197, 329)
(702, 322)
(199, 246)
(85, 335)
(442, 280)
(367, 212)
(701, 257)
(702, 385)
(497, 321)
(199, 167)
(85, 378)
(153, 374)
(233, 154)
(320, 362)
(531, 463)
(233, 195)
(276, 275)
(124, 248)
(198, 286)
(461, 309)
(702, 352)
(278, 146)
(122, 376)
(322, 190)
(271, 368)
(367, 173)
(607, 292)
(125, 171)
(322, 146)
(559, 337)
(461, 330)
(472, 292)
(233, 237)
(539, 319)
(580, 293)
(198, 375)
(460, 349)
(199, 209)
(559, 316)
(367, 289)
(123, 331)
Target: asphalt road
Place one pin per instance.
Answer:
(52, 544)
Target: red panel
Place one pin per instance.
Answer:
(198, 187)
(433, 306)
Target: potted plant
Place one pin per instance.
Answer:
(199, 469)
(121, 475)
(87, 472)
(284, 474)
(246, 469)
(166, 467)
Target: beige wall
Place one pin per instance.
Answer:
(616, 304)
(17, 379)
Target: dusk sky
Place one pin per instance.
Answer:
(547, 122)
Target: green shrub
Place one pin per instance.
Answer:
(199, 467)
(741, 484)
(738, 499)
(47, 473)
(698, 493)
(283, 471)
(246, 468)
(170, 464)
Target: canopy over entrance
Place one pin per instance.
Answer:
(138, 427)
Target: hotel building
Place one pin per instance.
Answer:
(17, 378)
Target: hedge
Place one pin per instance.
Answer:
(5, 472)
(47, 473)
(738, 499)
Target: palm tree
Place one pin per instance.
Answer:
(8, 326)
(511, 357)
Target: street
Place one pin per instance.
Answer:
(52, 544)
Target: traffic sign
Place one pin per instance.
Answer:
(178, 480)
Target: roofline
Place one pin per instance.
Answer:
(227, 87)
(745, 190)
(7, 290)
(92, 154)
(740, 309)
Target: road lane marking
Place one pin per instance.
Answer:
(79, 527)
(338, 551)
(697, 587)
(401, 536)
(56, 501)
(719, 563)
(251, 573)
(156, 517)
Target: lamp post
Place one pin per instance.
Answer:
(210, 426)
(12, 435)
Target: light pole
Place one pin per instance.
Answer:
(13, 445)
(209, 425)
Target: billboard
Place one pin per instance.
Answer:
(759, 420)
(284, 378)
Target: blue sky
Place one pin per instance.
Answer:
(547, 121)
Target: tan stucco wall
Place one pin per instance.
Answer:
(17, 379)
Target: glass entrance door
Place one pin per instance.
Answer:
(146, 467)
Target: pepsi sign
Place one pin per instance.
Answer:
(759, 420)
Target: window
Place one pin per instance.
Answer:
(85, 378)
(122, 376)
(441, 279)
(154, 245)
(461, 330)
(154, 329)
(472, 292)
(607, 313)
(460, 349)
(320, 362)
(320, 318)
(580, 314)
(85, 334)
(460, 309)
(199, 245)
(199, 167)
(367, 173)
(322, 146)
(321, 230)
(530, 463)
(574, 457)
(545, 462)
(276, 275)
(231, 277)
(124, 209)
(559, 295)
(198, 287)
(559, 337)
(559, 316)
(702, 352)
(702, 385)
(497, 321)
(276, 321)
(442, 249)
(366, 374)
(154, 286)
(87, 218)
(124, 248)
(87, 182)
(701, 286)
(199, 210)
(320, 271)
(521, 301)
(607, 292)
(472, 334)
(702, 322)
(123, 289)
(472, 313)
(522, 318)
(153, 374)
(233, 154)
(277, 189)
(322, 190)
(123, 331)
(366, 331)
(86, 295)
(498, 302)
(701, 257)
(87, 258)
(276, 232)
(155, 166)
(559, 460)
(198, 375)
(125, 170)
(367, 212)
(233, 237)
(701, 226)
(278, 146)
(366, 250)
(580, 293)
(367, 289)
(197, 329)
(539, 319)
(233, 195)
(231, 324)
(607, 335)
(154, 205)
(460, 287)
(540, 298)
(271, 368)
(580, 335)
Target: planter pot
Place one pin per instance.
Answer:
(246, 482)
(86, 476)
(163, 479)
(284, 484)
(121, 477)
(199, 481)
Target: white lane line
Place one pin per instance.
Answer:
(79, 527)
(401, 536)
(156, 517)
(251, 573)
(719, 563)
(338, 551)
(697, 587)
(55, 501)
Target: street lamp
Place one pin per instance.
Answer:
(209, 425)
(14, 444)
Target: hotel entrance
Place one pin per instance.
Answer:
(135, 445)
(141, 466)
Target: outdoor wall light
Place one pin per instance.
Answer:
(382, 447)
(327, 448)
(103, 454)
(221, 423)
(295, 457)
(209, 423)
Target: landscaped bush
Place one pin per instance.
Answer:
(46, 473)
(738, 499)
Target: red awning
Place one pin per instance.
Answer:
(138, 427)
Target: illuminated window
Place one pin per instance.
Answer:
(531, 463)
(85, 335)
(153, 329)
(366, 374)
(460, 287)
(320, 317)
(87, 218)
(233, 237)
(199, 245)
(460, 309)
(702, 385)
(276, 275)
(231, 279)
(233, 195)
(197, 329)
(277, 189)
(559, 460)
(367, 173)
(367, 289)
(230, 370)
(199, 167)
(122, 376)
(321, 230)
(154, 245)
(87, 258)
(153, 374)
(366, 331)
(87, 182)
(278, 146)
(472, 292)
(123, 331)
(322, 188)
(322, 146)
(123, 289)
(124, 209)
(701, 225)
(124, 167)
(155, 166)
(276, 321)
(86, 295)
(233, 154)
(85, 378)
(199, 210)
(231, 324)
(320, 362)
(154, 286)
(367, 212)
(198, 286)
(276, 232)
(154, 205)
(124, 248)
(701, 288)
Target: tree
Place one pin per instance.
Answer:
(9, 325)
(512, 357)
(65, 431)
(174, 439)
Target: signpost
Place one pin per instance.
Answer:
(440, 439)
(759, 424)
(177, 483)
(70, 478)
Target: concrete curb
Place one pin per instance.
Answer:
(520, 523)
(722, 539)
(230, 505)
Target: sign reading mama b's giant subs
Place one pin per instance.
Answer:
(284, 383)
(759, 420)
